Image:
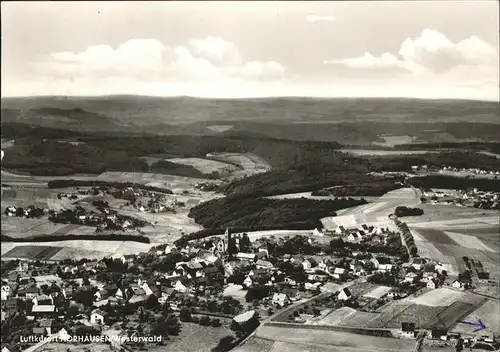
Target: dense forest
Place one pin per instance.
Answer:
(297, 166)
(373, 189)
(262, 213)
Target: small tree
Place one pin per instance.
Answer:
(205, 320)
(185, 315)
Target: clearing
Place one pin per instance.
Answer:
(250, 163)
(205, 166)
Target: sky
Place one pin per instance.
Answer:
(422, 49)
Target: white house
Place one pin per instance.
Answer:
(281, 299)
(458, 284)
(384, 267)
(247, 256)
(98, 317)
(319, 233)
(5, 292)
(264, 264)
(248, 281)
(408, 330)
(344, 294)
(339, 273)
(179, 286)
(410, 277)
(432, 283)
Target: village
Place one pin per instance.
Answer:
(463, 198)
(220, 277)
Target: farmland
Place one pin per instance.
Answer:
(71, 249)
(249, 164)
(488, 314)
(330, 340)
(195, 337)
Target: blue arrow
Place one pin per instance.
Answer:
(479, 323)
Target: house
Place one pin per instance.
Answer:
(317, 232)
(410, 277)
(408, 330)
(128, 258)
(98, 317)
(246, 256)
(248, 281)
(432, 283)
(344, 294)
(309, 263)
(437, 333)
(290, 281)
(297, 259)
(102, 294)
(5, 290)
(43, 300)
(139, 299)
(355, 237)
(23, 266)
(385, 267)
(44, 310)
(264, 264)
(280, 299)
(120, 294)
(418, 263)
(67, 293)
(179, 286)
(292, 293)
(339, 273)
(458, 284)
(394, 294)
(247, 321)
(312, 286)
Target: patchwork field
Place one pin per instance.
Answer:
(251, 164)
(488, 314)
(329, 340)
(194, 337)
(27, 228)
(73, 249)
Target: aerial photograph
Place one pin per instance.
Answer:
(253, 176)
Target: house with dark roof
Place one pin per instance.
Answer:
(408, 330)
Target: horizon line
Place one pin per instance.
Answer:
(245, 97)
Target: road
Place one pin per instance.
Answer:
(298, 304)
